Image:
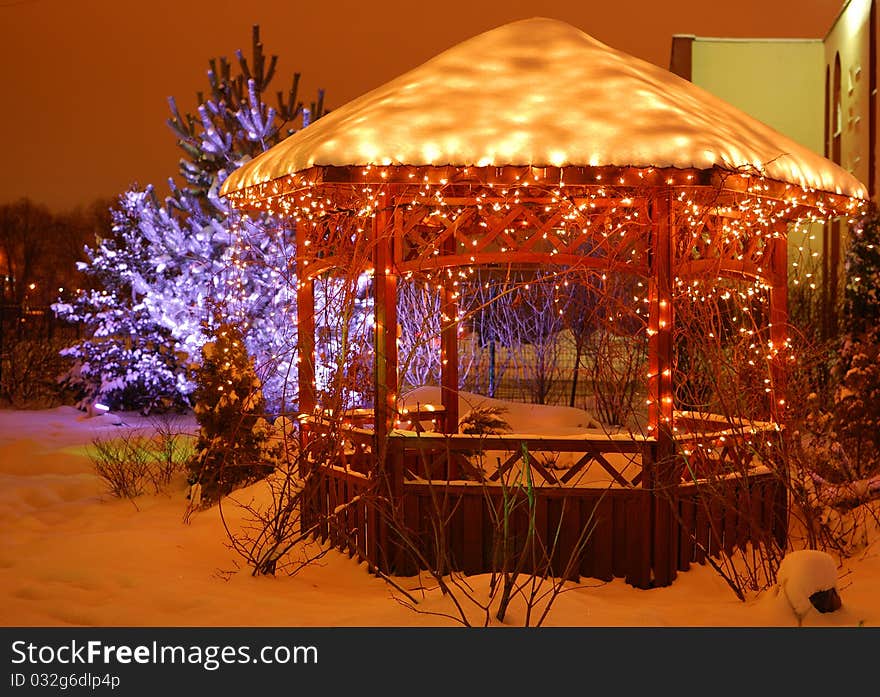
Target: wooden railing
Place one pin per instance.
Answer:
(433, 491)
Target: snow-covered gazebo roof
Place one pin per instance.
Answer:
(541, 92)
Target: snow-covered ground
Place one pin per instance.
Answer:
(72, 555)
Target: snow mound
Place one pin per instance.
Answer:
(803, 573)
(105, 419)
(540, 419)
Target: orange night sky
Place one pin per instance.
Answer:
(85, 82)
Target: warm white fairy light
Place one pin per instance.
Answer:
(722, 258)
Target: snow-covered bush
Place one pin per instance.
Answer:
(29, 372)
(856, 372)
(131, 464)
(850, 424)
(483, 420)
(808, 580)
(130, 360)
(857, 400)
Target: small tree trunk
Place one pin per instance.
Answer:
(574, 374)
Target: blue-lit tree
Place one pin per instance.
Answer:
(165, 261)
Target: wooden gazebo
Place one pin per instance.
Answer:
(536, 146)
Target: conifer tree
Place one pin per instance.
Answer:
(857, 368)
(861, 303)
(235, 445)
(164, 260)
(130, 359)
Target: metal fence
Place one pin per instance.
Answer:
(606, 379)
(19, 322)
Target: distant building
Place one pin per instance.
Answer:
(820, 92)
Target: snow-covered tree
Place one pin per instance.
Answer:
(165, 261)
(861, 303)
(130, 359)
(857, 370)
(235, 444)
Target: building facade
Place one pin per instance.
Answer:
(822, 93)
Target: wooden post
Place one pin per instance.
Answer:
(389, 456)
(305, 367)
(660, 325)
(449, 347)
(778, 369)
(385, 310)
(660, 410)
(305, 313)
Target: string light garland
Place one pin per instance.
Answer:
(573, 222)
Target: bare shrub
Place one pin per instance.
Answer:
(123, 463)
(133, 463)
(618, 363)
(529, 569)
(270, 537)
(30, 369)
(526, 318)
(524, 566)
(171, 447)
(419, 318)
(834, 465)
(834, 488)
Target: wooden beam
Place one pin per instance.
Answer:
(525, 259)
(449, 348)
(726, 268)
(332, 182)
